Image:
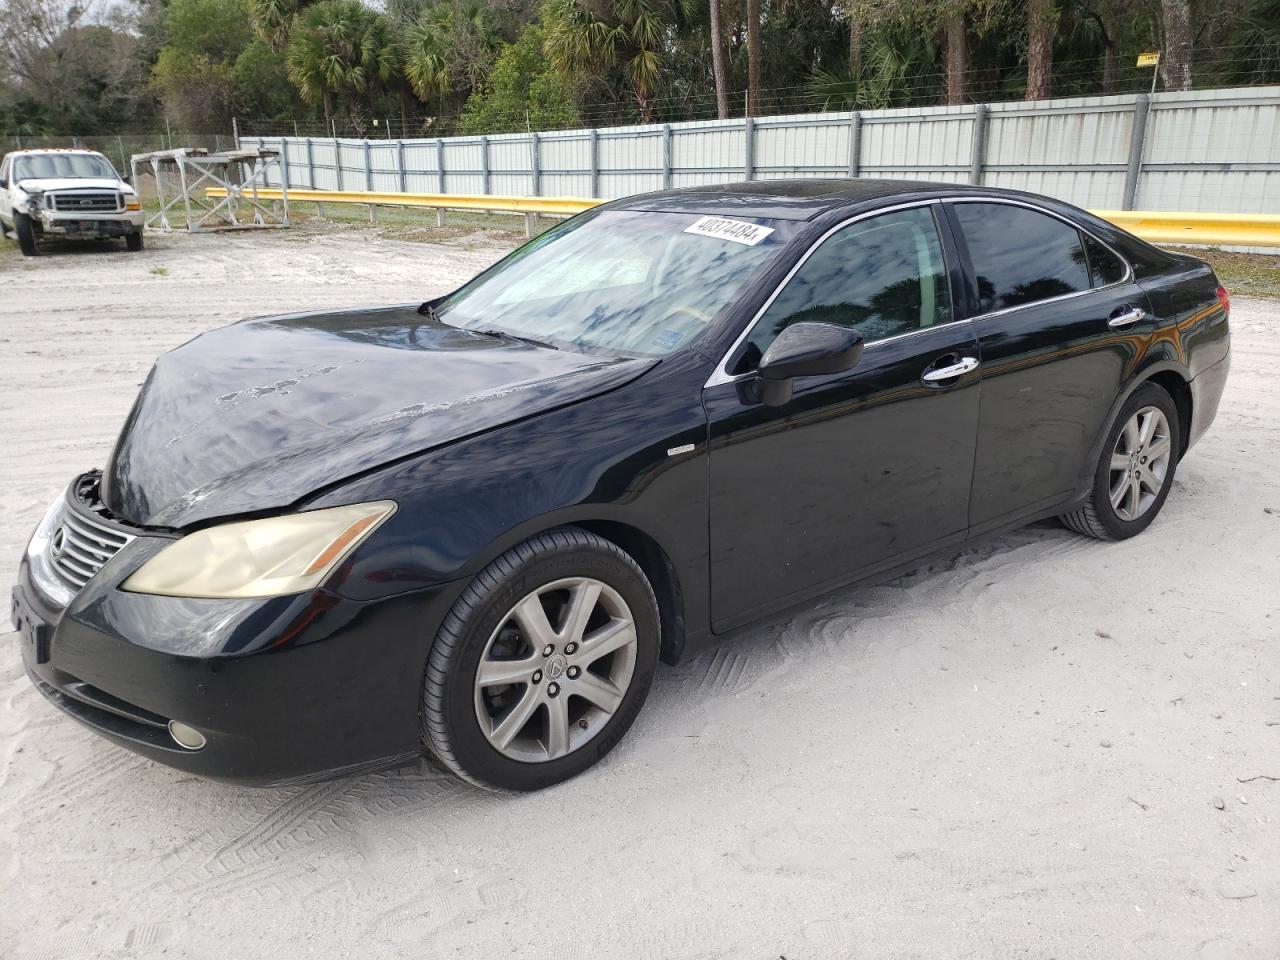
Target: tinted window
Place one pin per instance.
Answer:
(1021, 256)
(1104, 266)
(883, 276)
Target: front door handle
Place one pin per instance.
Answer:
(959, 368)
(1126, 318)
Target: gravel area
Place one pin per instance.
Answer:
(1043, 746)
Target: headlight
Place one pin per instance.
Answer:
(259, 558)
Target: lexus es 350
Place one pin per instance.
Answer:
(471, 527)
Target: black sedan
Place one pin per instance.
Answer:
(330, 542)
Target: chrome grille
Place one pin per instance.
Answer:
(87, 202)
(80, 546)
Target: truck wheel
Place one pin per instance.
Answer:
(26, 234)
(133, 241)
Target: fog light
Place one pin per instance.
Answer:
(186, 736)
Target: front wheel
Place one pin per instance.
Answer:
(26, 234)
(133, 241)
(1133, 477)
(542, 664)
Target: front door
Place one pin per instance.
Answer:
(859, 470)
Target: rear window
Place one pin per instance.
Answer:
(1021, 256)
(1104, 266)
(53, 166)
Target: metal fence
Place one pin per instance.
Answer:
(1205, 150)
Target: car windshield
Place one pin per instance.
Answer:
(619, 281)
(56, 166)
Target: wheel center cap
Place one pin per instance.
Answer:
(556, 666)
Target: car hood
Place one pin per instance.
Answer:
(69, 183)
(258, 415)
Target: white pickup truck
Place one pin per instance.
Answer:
(66, 194)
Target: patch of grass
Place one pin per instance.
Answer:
(415, 223)
(160, 271)
(1243, 274)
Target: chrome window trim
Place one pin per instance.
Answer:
(722, 375)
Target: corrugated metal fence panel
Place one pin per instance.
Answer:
(707, 153)
(566, 164)
(630, 161)
(420, 166)
(929, 144)
(1208, 150)
(463, 165)
(1219, 134)
(802, 147)
(511, 165)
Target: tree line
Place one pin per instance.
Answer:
(443, 66)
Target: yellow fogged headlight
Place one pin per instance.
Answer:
(133, 204)
(259, 558)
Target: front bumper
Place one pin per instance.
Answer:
(90, 226)
(285, 690)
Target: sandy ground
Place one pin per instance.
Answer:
(1019, 752)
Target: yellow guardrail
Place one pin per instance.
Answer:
(1199, 229)
(548, 206)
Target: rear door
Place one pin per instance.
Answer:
(1061, 325)
(861, 469)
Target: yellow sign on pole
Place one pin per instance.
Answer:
(1148, 59)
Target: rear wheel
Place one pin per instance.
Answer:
(1133, 477)
(133, 241)
(26, 234)
(542, 664)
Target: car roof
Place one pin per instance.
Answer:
(799, 199)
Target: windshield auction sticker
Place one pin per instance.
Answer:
(722, 228)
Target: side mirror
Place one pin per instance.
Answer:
(806, 349)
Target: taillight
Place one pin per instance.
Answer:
(1225, 299)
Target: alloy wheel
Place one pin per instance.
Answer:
(1140, 463)
(555, 670)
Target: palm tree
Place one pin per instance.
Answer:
(341, 48)
(630, 35)
(452, 47)
(273, 19)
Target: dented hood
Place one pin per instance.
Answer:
(258, 415)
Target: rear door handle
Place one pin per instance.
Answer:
(961, 367)
(1126, 318)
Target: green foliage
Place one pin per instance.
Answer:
(262, 84)
(343, 49)
(194, 73)
(217, 29)
(450, 48)
(523, 91)
(630, 37)
(273, 19)
(494, 65)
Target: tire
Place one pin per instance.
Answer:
(462, 719)
(133, 241)
(26, 234)
(1100, 516)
